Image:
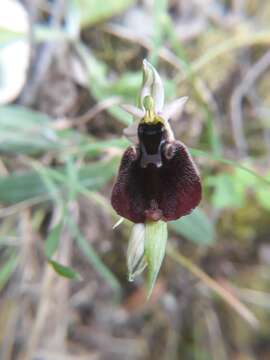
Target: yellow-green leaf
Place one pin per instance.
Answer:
(93, 11)
(64, 271)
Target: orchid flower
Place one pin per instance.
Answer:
(157, 179)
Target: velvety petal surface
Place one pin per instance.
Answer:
(181, 183)
(127, 196)
(165, 193)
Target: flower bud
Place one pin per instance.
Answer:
(135, 253)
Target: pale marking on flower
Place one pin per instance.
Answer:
(169, 151)
(154, 213)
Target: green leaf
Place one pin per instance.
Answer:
(195, 227)
(245, 178)
(156, 236)
(226, 192)
(64, 271)
(52, 241)
(93, 11)
(22, 117)
(24, 186)
(7, 269)
(26, 131)
(93, 258)
(202, 153)
(263, 197)
(249, 182)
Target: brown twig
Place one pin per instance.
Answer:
(89, 115)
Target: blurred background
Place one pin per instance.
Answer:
(65, 66)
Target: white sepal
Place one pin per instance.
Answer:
(175, 108)
(133, 110)
(135, 253)
(131, 132)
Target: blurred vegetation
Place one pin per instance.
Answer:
(65, 66)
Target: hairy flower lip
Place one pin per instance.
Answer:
(174, 188)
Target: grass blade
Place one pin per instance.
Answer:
(195, 227)
(7, 269)
(52, 241)
(93, 257)
(227, 296)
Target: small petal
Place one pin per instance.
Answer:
(131, 132)
(175, 108)
(152, 85)
(133, 110)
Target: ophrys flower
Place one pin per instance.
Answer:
(157, 178)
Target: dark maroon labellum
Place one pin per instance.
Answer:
(157, 180)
